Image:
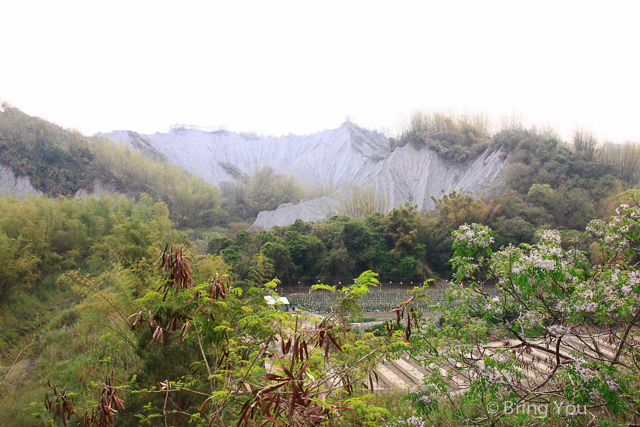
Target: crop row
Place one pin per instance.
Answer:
(374, 301)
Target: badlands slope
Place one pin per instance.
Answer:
(340, 158)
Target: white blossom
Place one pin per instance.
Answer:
(613, 384)
(473, 235)
(549, 236)
(558, 330)
(587, 374)
(531, 319)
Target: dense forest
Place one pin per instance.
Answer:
(147, 307)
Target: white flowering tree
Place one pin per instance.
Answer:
(536, 334)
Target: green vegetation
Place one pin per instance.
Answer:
(265, 190)
(369, 143)
(66, 267)
(118, 324)
(360, 202)
(455, 137)
(53, 158)
(60, 162)
(550, 301)
(547, 185)
(108, 299)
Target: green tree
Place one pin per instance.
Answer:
(279, 255)
(547, 299)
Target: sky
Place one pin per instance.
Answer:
(299, 67)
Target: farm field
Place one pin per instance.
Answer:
(376, 303)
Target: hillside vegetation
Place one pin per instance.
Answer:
(60, 162)
(455, 137)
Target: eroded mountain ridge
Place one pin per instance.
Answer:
(340, 158)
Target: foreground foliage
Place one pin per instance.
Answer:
(212, 356)
(557, 345)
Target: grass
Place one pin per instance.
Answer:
(456, 137)
(369, 143)
(360, 202)
(625, 157)
(16, 408)
(74, 358)
(393, 402)
(70, 348)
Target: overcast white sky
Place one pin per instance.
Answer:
(275, 67)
